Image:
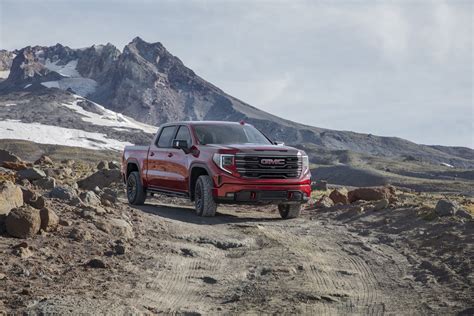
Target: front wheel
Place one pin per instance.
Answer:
(203, 199)
(136, 194)
(288, 211)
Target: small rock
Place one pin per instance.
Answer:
(47, 183)
(114, 165)
(33, 199)
(63, 193)
(90, 198)
(320, 185)
(102, 165)
(116, 227)
(445, 207)
(109, 197)
(31, 174)
(80, 234)
(464, 214)
(96, 264)
(11, 196)
(120, 249)
(44, 160)
(324, 202)
(23, 222)
(64, 222)
(5, 155)
(23, 252)
(338, 196)
(380, 205)
(2, 276)
(49, 220)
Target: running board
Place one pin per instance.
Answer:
(168, 193)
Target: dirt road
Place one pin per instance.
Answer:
(248, 261)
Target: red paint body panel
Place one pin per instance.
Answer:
(169, 169)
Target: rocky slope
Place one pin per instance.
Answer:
(70, 244)
(148, 83)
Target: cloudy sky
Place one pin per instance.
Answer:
(393, 68)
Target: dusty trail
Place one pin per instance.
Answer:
(254, 262)
(248, 261)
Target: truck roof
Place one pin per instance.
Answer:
(203, 122)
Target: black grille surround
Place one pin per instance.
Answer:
(269, 166)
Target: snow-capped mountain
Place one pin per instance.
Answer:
(61, 118)
(149, 84)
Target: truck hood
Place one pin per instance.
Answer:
(256, 149)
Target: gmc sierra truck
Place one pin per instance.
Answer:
(218, 162)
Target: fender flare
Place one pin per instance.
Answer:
(135, 162)
(191, 167)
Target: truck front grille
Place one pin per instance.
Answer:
(268, 166)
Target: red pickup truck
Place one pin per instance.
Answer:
(218, 162)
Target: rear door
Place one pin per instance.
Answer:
(159, 173)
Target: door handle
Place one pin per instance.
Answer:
(152, 154)
(170, 155)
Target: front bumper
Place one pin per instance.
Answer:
(262, 194)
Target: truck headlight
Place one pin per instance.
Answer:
(304, 161)
(224, 161)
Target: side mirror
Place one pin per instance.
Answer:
(181, 144)
(279, 143)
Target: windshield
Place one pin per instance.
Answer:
(229, 134)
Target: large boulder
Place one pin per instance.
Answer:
(102, 178)
(31, 174)
(446, 207)
(6, 156)
(49, 219)
(116, 227)
(33, 199)
(339, 196)
(10, 196)
(13, 165)
(47, 183)
(63, 193)
(372, 194)
(23, 222)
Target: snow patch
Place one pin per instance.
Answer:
(54, 135)
(447, 165)
(4, 73)
(68, 70)
(108, 117)
(81, 86)
(73, 80)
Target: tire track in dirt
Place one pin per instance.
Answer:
(353, 274)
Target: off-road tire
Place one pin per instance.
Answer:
(136, 193)
(203, 199)
(288, 211)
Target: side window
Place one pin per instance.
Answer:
(183, 134)
(166, 136)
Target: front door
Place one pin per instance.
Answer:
(168, 166)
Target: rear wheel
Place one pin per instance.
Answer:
(288, 211)
(136, 194)
(203, 199)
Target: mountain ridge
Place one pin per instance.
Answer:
(146, 82)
